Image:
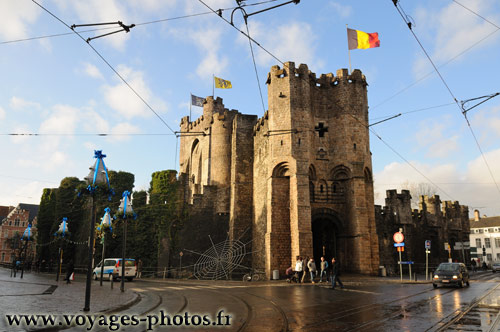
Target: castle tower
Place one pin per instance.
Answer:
(313, 165)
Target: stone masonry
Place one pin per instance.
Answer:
(297, 181)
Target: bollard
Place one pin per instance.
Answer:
(112, 280)
(164, 271)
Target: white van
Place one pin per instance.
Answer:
(113, 269)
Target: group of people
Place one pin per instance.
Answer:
(302, 266)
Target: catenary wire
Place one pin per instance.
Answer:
(445, 63)
(110, 66)
(451, 93)
(138, 24)
(414, 111)
(255, 67)
(401, 156)
(389, 146)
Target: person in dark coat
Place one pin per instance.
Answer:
(336, 274)
(70, 268)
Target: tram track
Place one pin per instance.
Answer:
(369, 307)
(455, 317)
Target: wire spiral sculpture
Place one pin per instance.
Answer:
(219, 261)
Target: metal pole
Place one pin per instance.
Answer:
(88, 283)
(59, 258)
(463, 251)
(409, 265)
(426, 263)
(122, 283)
(102, 257)
(400, 266)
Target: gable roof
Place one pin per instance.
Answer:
(32, 208)
(485, 222)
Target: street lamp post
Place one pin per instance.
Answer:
(105, 223)
(126, 208)
(98, 175)
(61, 232)
(26, 237)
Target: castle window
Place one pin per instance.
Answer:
(281, 142)
(321, 188)
(299, 141)
(354, 146)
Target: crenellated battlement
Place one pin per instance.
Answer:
(290, 72)
(262, 122)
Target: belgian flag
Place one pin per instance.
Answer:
(360, 39)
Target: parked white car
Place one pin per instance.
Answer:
(113, 269)
(495, 267)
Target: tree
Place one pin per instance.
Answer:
(417, 190)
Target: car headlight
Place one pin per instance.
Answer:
(436, 276)
(455, 277)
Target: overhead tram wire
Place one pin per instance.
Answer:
(109, 65)
(432, 72)
(82, 134)
(401, 156)
(143, 23)
(414, 111)
(404, 17)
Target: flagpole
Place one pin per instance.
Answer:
(348, 50)
(213, 86)
(190, 105)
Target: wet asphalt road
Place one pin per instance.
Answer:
(361, 306)
(366, 304)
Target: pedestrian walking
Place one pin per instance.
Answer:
(139, 269)
(299, 268)
(311, 265)
(473, 264)
(336, 274)
(306, 269)
(70, 269)
(324, 269)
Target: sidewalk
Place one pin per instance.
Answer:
(41, 294)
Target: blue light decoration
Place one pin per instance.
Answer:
(63, 228)
(106, 221)
(27, 233)
(98, 175)
(126, 205)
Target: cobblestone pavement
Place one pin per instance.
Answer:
(40, 293)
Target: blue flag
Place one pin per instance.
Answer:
(197, 101)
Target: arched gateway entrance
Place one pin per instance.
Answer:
(326, 231)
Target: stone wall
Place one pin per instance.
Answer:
(446, 223)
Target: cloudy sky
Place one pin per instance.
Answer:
(53, 84)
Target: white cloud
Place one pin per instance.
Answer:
(343, 11)
(438, 138)
(20, 129)
(123, 100)
(293, 41)
(63, 120)
(454, 28)
(15, 17)
(473, 187)
(2, 113)
(92, 71)
(20, 104)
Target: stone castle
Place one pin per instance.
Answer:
(436, 221)
(297, 181)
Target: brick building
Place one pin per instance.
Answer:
(13, 225)
(437, 221)
(297, 181)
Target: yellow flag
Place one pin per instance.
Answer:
(222, 84)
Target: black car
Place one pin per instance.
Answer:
(451, 274)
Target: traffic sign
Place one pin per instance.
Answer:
(427, 244)
(401, 248)
(406, 262)
(427, 251)
(398, 237)
(402, 244)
